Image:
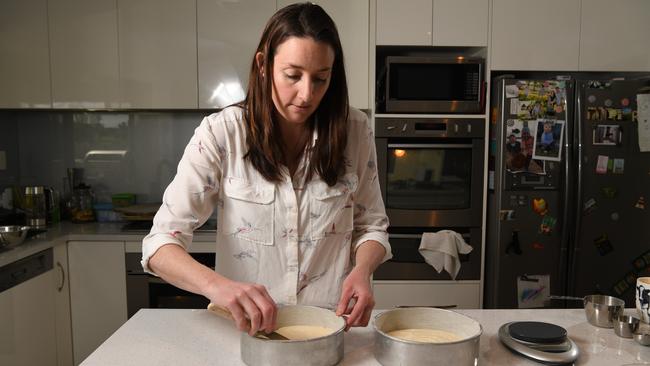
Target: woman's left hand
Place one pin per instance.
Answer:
(357, 300)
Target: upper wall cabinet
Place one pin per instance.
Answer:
(551, 42)
(614, 36)
(226, 47)
(432, 22)
(24, 54)
(352, 22)
(83, 51)
(157, 53)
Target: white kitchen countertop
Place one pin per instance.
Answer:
(198, 338)
(94, 231)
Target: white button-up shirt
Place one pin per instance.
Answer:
(296, 238)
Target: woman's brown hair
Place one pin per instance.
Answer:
(263, 139)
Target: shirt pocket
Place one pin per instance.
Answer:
(248, 210)
(331, 209)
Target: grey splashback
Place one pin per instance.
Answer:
(135, 152)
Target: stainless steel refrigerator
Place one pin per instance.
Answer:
(568, 185)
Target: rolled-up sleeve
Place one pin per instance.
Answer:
(191, 197)
(370, 220)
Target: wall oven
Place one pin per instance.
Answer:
(146, 291)
(431, 171)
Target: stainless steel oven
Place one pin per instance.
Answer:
(146, 291)
(431, 170)
(408, 264)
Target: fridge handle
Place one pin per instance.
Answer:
(578, 193)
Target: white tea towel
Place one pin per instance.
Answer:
(441, 250)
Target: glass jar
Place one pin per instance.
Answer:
(82, 204)
(35, 207)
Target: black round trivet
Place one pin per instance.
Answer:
(537, 332)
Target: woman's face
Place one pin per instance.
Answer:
(302, 70)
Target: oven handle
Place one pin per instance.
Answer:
(418, 236)
(428, 146)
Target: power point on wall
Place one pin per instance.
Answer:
(3, 160)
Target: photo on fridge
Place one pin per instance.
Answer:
(548, 139)
(520, 143)
(607, 135)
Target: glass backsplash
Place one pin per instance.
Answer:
(135, 152)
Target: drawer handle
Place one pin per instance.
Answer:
(60, 288)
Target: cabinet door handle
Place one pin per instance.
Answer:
(60, 288)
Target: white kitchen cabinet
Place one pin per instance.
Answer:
(458, 295)
(97, 293)
(352, 22)
(157, 53)
(62, 305)
(404, 22)
(84, 55)
(614, 35)
(24, 54)
(28, 319)
(460, 23)
(432, 22)
(228, 34)
(535, 35)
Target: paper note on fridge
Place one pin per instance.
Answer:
(643, 114)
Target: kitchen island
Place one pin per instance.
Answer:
(198, 338)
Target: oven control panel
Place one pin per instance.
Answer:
(430, 127)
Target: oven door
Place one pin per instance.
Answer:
(431, 184)
(408, 264)
(144, 291)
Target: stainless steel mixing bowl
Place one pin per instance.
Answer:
(642, 338)
(602, 310)
(625, 326)
(12, 235)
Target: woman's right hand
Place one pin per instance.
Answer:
(245, 301)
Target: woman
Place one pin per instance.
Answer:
(300, 214)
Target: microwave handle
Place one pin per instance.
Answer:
(430, 146)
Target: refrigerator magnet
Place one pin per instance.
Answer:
(625, 102)
(512, 91)
(614, 216)
(601, 165)
(612, 113)
(640, 203)
(606, 135)
(608, 103)
(619, 166)
(589, 206)
(609, 192)
(538, 246)
(603, 245)
(620, 287)
(507, 215)
(642, 262)
(591, 98)
(539, 206)
(547, 225)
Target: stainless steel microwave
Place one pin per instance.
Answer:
(418, 84)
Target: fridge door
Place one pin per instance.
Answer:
(526, 232)
(612, 235)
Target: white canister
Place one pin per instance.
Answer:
(643, 298)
